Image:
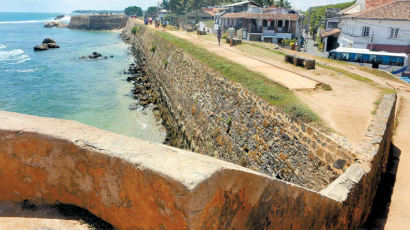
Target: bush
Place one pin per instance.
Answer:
(224, 36)
(134, 30)
(153, 48)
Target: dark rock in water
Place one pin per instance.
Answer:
(47, 43)
(94, 55)
(133, 107)
(55, 24)
(105, 57)
(112, 56)
(52, 45)
(59, 17)
(48, 40)
(41, 47)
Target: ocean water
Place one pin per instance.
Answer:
(56, 83)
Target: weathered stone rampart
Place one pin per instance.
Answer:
(209, 114)
(98, 22)
(134, 184)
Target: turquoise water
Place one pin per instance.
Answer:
(56, 83)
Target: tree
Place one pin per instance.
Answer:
(133, 10)
(152, 10)
(283, 4)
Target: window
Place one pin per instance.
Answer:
(365, 31)
(265, 23)
(394, 32)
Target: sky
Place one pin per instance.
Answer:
(66, 6)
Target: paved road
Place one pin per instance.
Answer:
(312, 50)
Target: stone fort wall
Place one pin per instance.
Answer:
(209, 114)
(98, 22)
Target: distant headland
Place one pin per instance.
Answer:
(98, 11)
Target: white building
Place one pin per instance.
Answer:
(381, 28)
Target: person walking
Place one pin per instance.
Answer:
(231, 34)
(219, 35)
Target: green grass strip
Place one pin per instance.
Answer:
(275, 94)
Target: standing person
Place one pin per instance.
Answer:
(231, 34)
(219, 35)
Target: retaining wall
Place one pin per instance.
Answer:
(209, 114)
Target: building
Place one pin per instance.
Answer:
(259, 24)
(383, 27)
(331, 32)
(199, 15)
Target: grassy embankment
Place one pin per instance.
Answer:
(275, 94)
(326, 63)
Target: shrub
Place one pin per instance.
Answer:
(153, 48)
(224, 36)
(134, 30)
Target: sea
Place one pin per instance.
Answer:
(56, 83)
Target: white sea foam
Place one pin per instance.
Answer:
(28, 21)
(26, 71)
(23, 58)
(2, 46)
(10, 55)
(65, 19)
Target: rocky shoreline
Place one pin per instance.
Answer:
(143, 91)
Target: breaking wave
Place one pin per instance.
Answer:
(66, 18)
(16, 56)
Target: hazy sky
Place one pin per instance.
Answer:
(70, 5)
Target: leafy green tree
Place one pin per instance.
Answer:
(283, 4)
(151, 11)
(317, 14)
(133, 10)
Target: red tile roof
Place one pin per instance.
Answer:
(260, 16)
(330, 32)
(398, 10)
(375, 3)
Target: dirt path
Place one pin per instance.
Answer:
(399, 212)
(288, 79)
(347, 105)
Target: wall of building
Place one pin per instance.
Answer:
(351, 35)
(98, 22)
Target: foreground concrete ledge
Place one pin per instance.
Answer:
(135, 184)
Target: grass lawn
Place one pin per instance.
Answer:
(275, 94)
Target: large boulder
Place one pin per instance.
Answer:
(48, 40)
(53, 45)
(41, 47)
(55, 24)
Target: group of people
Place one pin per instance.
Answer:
(231, 35)
(161, 22)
